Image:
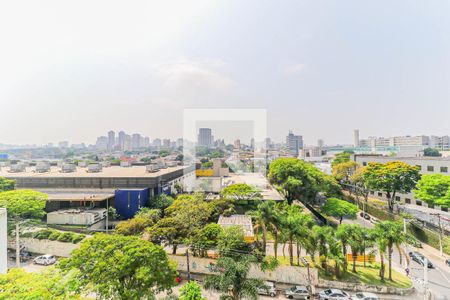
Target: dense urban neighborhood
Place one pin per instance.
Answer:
(152, 223)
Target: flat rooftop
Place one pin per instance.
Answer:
(257, 181)
(112, 172)
(78, 194)
(243, 221)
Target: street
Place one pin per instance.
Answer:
(438, 277)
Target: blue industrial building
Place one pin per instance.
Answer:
(128, 202)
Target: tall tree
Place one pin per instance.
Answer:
(434, 189)
(295, 226)
(359, 185)
(323, 234)
(391, 233)
(264, 219)
(231, 242)
(356, 242)
(340, 209)
(232, 279)
(343, 171)
(21, 206)
(297, 179)
(392, 178)
(120, 267)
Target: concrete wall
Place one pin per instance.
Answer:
(357, 287)
(282, 274)
(45, 246)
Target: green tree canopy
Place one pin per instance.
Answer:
(206, 239)
(391, 178)
(144, 218)
(24, 204)
(232, 279)
(121, 267)
(389, 234)
(340, 209)
(231, 242)
(341, 158)
(431, 152)
(300, 180)
(49, 284)
(7, 184)
(191, 291)
(240, 191)
(434, 189)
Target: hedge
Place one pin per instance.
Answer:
(54, 235)
(429, 237)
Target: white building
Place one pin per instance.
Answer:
(101, 143)
(427, 165)
(356, 138)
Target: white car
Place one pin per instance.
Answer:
(297, 292)
(270, 289)
(333, 294)
(45, 260)
(365, 296)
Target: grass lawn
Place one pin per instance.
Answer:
(366, 275)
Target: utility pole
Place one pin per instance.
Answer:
(188, 265)
(440, 232)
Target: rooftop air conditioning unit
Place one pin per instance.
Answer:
(17, 168)
(152, 168)
(68, 168)
(42, 167)
(94, 168)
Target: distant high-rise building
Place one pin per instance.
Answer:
(237, 144)
(157, 143)
(205, 138)
(166, 143)
(63, 144)
(294, 143)
(136, 141)
(121, 140)
(179, 142)
(320, 143)
(356, 142)
(127, 143)
(111, 140)
(146, 142)
(102, 143)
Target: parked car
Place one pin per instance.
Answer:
(24, 256)
(333, 294)
(364, 215)
(447, 262)
(297, 292)
(45, 260)
(365, 296)
(270, 289)
(420, 259)
(374, 220)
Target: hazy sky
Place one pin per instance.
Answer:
(72, 70)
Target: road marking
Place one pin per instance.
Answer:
(443, 275)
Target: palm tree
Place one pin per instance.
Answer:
(265, 219)
(381, 243)
(392, 233)
(335, 253)
(232, 279)
(343, 234)
(323, 234)
(295, 226)
(356, 242)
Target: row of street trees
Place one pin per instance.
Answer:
(287, 224)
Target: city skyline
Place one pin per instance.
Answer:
(320, 69)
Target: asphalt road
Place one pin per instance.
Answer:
(438, 277)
